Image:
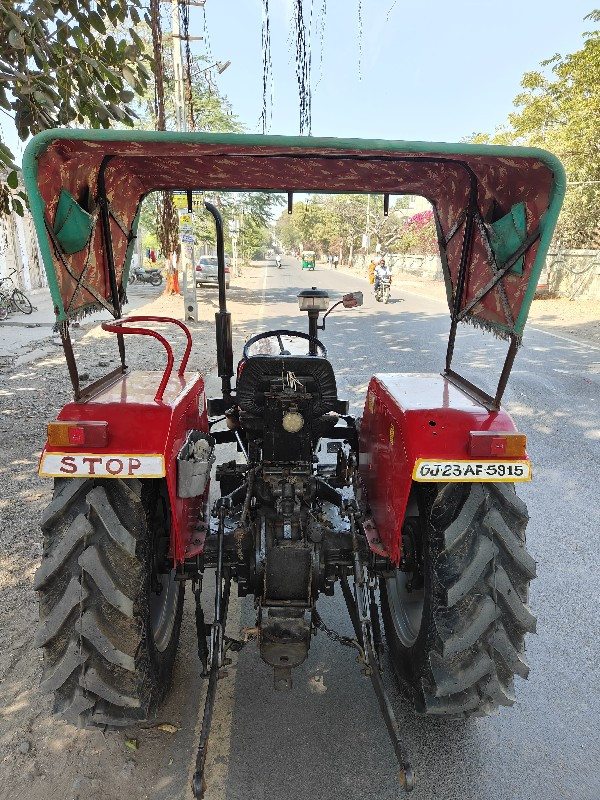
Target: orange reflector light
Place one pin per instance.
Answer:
(77, 434)
(496, 444)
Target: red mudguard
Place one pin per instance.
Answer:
(138, 427)
(408, 417)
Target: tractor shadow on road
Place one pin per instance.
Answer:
(327, 736)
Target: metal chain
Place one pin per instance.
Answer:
(346, 641)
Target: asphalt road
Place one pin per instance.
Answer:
(326, 737)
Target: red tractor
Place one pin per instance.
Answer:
(414, 514)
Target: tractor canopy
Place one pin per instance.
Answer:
(494, 207)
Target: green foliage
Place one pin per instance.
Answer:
(559, 110)
(253, 211)
(212, 110)
(336, 224)
(60, 65)
(418, 235)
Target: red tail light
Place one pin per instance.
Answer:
(497, 443)
(226, 269)
(76, 434)
(198, 268)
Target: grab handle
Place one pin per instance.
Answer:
(118, 327)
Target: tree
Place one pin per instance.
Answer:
(418, 235)
(558, 110)
(336, 223)
(61, 63)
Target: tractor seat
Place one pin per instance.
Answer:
(258, 372)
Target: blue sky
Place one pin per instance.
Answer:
(434, 70)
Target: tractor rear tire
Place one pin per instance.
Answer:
(109, 638)
(457, 642)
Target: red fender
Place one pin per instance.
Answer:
(139, 425)
(408, 417)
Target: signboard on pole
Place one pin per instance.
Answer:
(180, 200)
(185, 221)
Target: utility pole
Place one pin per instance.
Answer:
(180, 115)
(190, 299)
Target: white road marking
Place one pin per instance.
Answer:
(566, 338)
(261, 310)
(528, 327)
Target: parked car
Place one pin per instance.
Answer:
(207, 271)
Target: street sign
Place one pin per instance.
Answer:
(180, 200)
(187, 238)
(185, 222)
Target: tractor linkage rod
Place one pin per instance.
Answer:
(365, 621)
(216, 653)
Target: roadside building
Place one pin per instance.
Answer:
(19, 251)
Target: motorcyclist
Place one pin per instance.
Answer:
(278, 260)
(381, 271)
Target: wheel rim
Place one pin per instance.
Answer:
(406, 607)
(21, 302)
(163, 610)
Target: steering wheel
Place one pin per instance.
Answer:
(320, 347)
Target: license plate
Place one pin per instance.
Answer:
(453, 471)
(85, 465)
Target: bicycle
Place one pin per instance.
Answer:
(13, 301)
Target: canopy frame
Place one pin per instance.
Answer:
(484, 182)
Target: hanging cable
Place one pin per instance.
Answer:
(360, 39)
(184, 11)
(302, 68)
(267, 102)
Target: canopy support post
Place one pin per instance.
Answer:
(462, 271)
(110, 255)
(508, 365)
(65, 338)
(222, 317)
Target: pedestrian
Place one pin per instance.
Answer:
(335, 262)
(330, 260)
(372, 267)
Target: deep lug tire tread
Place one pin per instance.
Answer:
(94, 589)
(475, 616)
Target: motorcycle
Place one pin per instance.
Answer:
(140, 275)
(278, 261)
(383, 289)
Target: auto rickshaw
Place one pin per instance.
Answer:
(308, 259)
